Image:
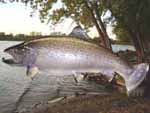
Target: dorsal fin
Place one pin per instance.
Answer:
(79, 33)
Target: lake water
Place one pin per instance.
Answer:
(13, 83)
(117, 48)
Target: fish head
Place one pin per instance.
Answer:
(17, 53)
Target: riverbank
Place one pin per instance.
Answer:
(111, 103)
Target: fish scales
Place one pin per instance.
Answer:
(71, 55)
(84, 52)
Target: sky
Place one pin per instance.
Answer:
(15, 18)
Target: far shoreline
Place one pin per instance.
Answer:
(31, 38)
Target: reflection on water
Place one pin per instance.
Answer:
(13, 83)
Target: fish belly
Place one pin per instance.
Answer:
(66, 63)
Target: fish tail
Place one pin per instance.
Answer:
(136, 77)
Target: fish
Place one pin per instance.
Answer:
(68, 55)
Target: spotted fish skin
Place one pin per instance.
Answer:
(68, 55)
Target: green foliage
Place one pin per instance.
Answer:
(132, 14)
(121, 33)
(74, 9)
(132, 19)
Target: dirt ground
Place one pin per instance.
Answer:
(112, 102)
(109, 103)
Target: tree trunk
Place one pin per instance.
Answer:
(107, 40)
(143, 47)
(135, 37)
(101, 33)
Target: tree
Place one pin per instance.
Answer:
(87, 13)
(132, 17)
(121, 34)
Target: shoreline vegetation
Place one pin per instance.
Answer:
(23, 37)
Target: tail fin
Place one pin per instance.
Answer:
(136, 77)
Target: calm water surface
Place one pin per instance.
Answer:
(117, 48)
(13, 83)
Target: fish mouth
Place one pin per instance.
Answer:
(8, 60)
(12, 58)
(11, 62)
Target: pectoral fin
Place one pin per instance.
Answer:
(32, 71)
